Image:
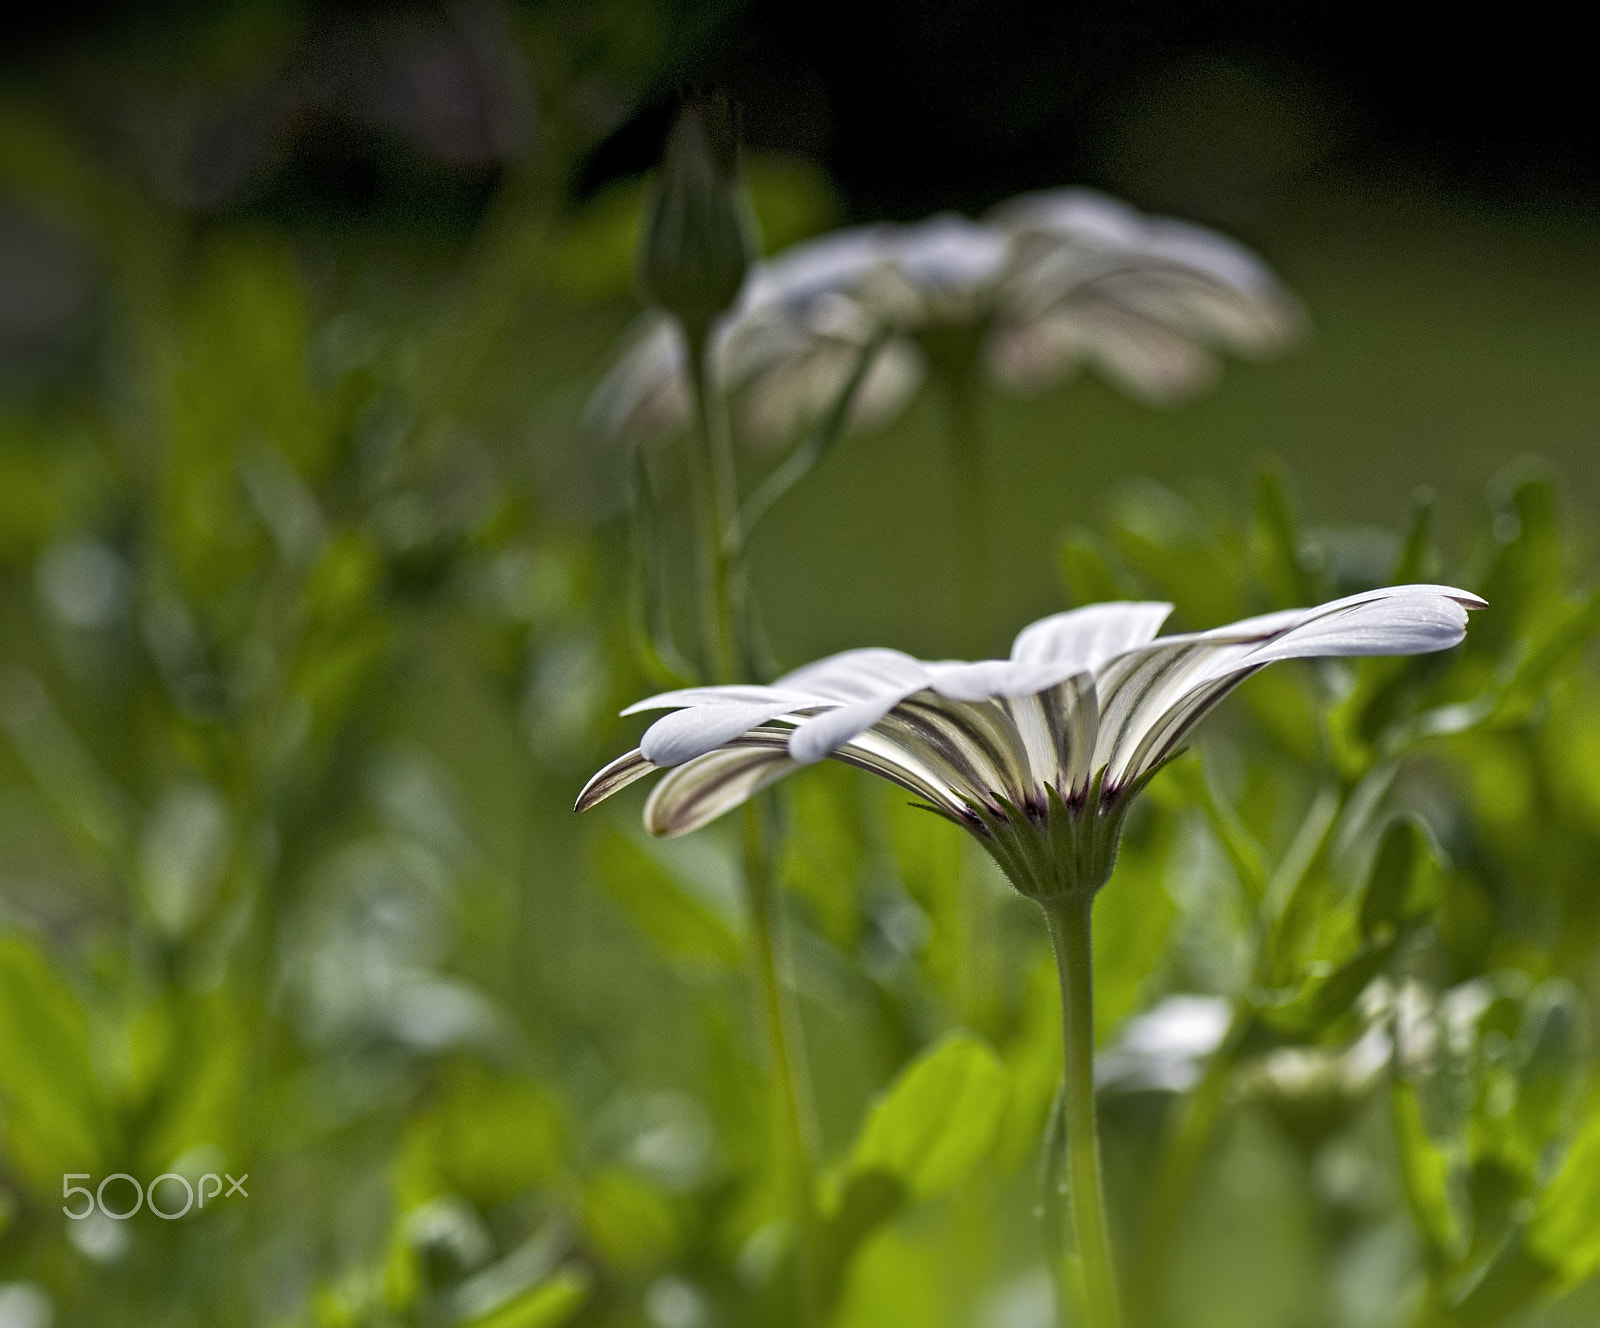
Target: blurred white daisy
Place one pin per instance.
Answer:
(1146, 300)
(1046, 282)
(1037, 755)
(1163, 1049)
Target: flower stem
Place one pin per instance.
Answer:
(1069, 920)
(787, 1064)
(716, 509)
(720, 545)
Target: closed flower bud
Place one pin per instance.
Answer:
(699, 235)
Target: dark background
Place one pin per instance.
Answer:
(917, 106)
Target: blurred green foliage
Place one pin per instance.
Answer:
(314, 608)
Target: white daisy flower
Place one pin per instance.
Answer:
(1143, 299)
(1037, 755)
(1047, 282)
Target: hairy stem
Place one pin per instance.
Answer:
(1069, 920)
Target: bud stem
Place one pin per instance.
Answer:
(717, 501)
(716, 504)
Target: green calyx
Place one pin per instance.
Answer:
(699, 235)
(1065, 850)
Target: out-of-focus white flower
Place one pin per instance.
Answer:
(786, 351)
(1037, 755)
(1298, 1074)
(1162, 1049)
(1046, 282)
(645, 394)
(1143, 299)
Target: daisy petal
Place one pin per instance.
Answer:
(686, 734)
(703, 696)
(1084, 639)
(856, 675)
(950, 254)
(819, 735)
(1058, 728)
(615, 777)
(696, 794)
(1399, 620)
(1084, 215)
(878, 754)
(976, 742)
(821, 267)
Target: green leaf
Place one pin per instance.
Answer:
(1033, 1065)
(54, 1119)
(1524, 582)
(1087, 571)
(1564, 1231)
(1425, 1173)
(1244, 853)
(1513, 1280)
(1403, 881)
(205, 1089)
(867, 1202)
(679, 925)
(491, 1136)
(1325, 994)
(1297, 896)
(632, 1222)
(90, 806)
(1187, 558)
(554, 1301)
(1550, 1045)
(936, 1121)
(1417, 558)
(1282, 569)
(901, 1280)
(932, 1125)
(1553, 653)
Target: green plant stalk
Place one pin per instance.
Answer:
(1068, 916)
(716, 505)
(720, 547)
(788, 1067)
